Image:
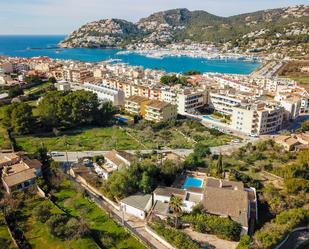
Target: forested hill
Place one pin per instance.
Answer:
(178, 25)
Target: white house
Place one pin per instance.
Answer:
(115, 160)
(137, 205)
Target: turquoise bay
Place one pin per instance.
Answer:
(31, 46)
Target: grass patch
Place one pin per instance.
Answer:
(81, 139)
(5, 238)
(37, 233)
(35, 89)
(112, 235)
(301, 79)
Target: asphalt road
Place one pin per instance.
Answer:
(73, 156)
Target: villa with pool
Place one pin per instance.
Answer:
(217, 196)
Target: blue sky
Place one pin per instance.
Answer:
(63, 16)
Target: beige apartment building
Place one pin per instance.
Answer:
(257, 118)
(136, 105)
(159, 111)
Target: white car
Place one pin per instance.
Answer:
(254, 135)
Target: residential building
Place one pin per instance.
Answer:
(106, 93)
(223, 102)
(257, 119)
(190, 197)
(291, 103)
(188, 101)
(63, 86)
(137, 205)
(217, 196)
(136, 105)
(19, 172)
(228, 199)
(294, 142)
(6, 67)
(159, 111)
(115, 160)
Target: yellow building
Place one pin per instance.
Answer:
(151, 110)
(136, 105)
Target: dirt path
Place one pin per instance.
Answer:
(211, 239)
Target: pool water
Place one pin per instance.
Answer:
(192, 182)
(211, 118)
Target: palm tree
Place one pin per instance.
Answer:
(175, 206)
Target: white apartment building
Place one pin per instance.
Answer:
(188, 101)
(168, 95)
(106, 93)
(292, 105)
(223, 102)
(257, 118)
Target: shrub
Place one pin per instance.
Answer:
(57, 225)
(175, 237)
(273, 232)
(42, 212)
(244, 243)
(77, 229)
(223, 227)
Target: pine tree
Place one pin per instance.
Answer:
(219, 167)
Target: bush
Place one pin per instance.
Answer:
(272, 233)
(244, 243)
(77, 229)
(57, 225)
(175, 237)
(42, 212)
(224, 228)
(295, 185)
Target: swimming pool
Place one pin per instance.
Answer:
(192, 182)
(211, 118)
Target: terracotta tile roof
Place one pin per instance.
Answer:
(156, 104)
(19, 177)
(137, 201)
(217, 183)
(137, 99)
(227, 202)
(168, 191)
(112, 156)
(32, 163)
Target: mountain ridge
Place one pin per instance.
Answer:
(180, 25)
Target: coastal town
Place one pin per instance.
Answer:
(249, 108)
(107, 153)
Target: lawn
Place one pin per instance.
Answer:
(301, 79)
(184, 135)
(5, 238)
(37, 233)
(81, 139)
(38, 88)
(112, 235)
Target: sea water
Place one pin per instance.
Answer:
(47, 45)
